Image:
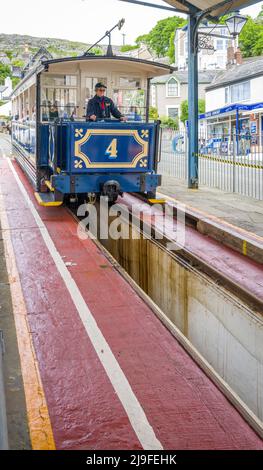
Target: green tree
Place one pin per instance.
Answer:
(168, 122)
(250, 39)
(18, 63)
(96, 51)
(158, 39)
(153, 113)
(257, 49)
(5, 71)
(127, 48)
(184, 109)
(142, 39)
(171, 50)
(15, 81)
(9, 54)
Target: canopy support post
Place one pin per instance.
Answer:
(192, 102)
(194, 19)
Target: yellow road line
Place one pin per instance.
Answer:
(37, 411)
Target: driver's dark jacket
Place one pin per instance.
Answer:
(94, 107)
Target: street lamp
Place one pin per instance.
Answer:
(121, 23)
(235, 23)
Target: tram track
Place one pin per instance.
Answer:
(196, 267)
(192, 259)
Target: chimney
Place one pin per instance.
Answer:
(238, 57)
(230, 56)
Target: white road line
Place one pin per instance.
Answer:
(134, 410)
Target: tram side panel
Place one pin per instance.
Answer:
(24, 146)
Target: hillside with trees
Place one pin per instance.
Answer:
(13, 51)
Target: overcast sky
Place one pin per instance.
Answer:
(83, 20)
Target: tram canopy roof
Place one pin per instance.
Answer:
(118, 64)
(214, 8)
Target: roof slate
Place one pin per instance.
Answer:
(249, 68)
(182, 76)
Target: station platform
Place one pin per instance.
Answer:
(239, 211)
(99, 370)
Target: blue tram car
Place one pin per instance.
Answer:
(66, 156)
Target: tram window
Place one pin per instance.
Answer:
(90, 85)
(71, 80)
(59, 80)
(58, 102)
(127, 82)
(127, 100)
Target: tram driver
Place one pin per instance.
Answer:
(102, 107)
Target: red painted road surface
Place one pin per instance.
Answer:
(183, 407)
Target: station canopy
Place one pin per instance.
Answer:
(215, 8)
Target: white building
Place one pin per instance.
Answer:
(5, 92)
(4, 59)
(6, 89)
(235, 98)
(207, 59)
(6, 109)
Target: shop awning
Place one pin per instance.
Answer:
(231, 109)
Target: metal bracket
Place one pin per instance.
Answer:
(204, 42)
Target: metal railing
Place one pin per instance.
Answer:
(232, 163)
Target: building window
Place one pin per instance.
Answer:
(172, 87)
(173, 112)
(240, 92)
(219, 44)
